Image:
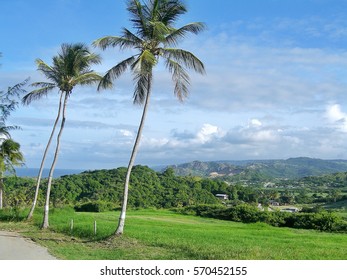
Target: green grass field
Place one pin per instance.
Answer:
(161, 234)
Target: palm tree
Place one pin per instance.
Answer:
(10, 156)
(155, 37)
(71, 67)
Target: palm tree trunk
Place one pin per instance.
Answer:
(121, 222)
(43, 161)
(45, 223)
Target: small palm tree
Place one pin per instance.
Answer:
(71, 67)
(10, 156)
(155, 38)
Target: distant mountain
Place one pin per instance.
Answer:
(292, 168)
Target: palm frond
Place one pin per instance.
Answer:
(130, 40)
(176, 35)
(50, 72)
(168, 11)
(42, 84)
(143, 83)
(4, 131)
(37, 94)
(159, 31)
(17, 90)
(127, 41)
(87, 78)
(10, 155)
(6, 107)
(9, 99)
(143, 72)
(115, 72)
(180, 78)
(184, 57)
(13, 127)
(139, 15)
(144, 62)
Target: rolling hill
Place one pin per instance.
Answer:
(292, 168)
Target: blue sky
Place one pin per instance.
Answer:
(275, 85)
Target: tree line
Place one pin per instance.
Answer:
(147, 189)
(102, 190)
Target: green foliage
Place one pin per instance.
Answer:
(147, 189)
(19, 192)
(94, 206)
(13, 214)
(324, 220)
(102, 190)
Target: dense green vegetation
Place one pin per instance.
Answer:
(147, 189)
(162, 234)
(102, 190)
(318, 219)
(166, 190)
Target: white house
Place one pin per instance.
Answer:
(222, 196)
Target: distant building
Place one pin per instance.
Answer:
(222, 196)
(290, 210)
(269, 185)
(274, 203)
(260, 207)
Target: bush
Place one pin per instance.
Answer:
(320, 220)
(276, 219)
(13, 214)
(94, 206)
(315, 209)
(326, 221)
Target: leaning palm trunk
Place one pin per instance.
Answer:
(43, 161)
(45, 223)
(121, 222)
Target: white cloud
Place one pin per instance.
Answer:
(126, 133)
(337, 117)
(255, 123)
(208, 132)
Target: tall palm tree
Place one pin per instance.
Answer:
(71, 67)
(155, 38)
(39, 176)
(10, 156)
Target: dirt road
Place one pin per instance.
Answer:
(15, 247)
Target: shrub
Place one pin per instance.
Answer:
(326, 221)
(315, 209)
(13, 214)
(276, 219)
(94, 206)
(319, 220)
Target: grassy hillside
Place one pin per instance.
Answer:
(154, 234)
